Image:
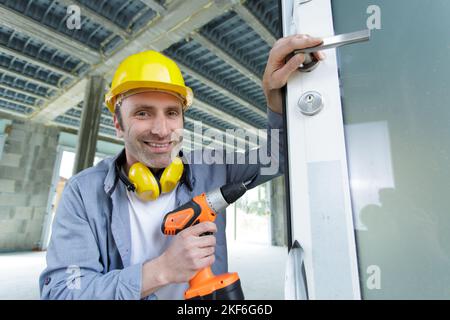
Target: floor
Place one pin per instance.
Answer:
(260, 267)
(19, 274)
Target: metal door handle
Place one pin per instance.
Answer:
(311, 62)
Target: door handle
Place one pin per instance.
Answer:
(295, 283)
(311, 62)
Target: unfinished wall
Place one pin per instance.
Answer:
(26, 169)
(277, 196)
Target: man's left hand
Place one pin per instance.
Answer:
(278, 70)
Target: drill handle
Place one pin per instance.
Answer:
(181, 218)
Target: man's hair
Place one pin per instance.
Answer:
(119, 114)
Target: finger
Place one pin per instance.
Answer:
(320, 55)
(206, 252)
(201, 228)
(206, 262)
(282, 75)
(287, 45)
(206, 241)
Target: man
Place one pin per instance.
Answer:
(106, 240)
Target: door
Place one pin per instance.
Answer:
(369, 174)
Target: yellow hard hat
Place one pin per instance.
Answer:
(148, 70)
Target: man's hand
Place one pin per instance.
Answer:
(278, 69)
(189, 252)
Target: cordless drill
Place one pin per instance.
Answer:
(205, 207)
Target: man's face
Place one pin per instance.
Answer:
(152, 128)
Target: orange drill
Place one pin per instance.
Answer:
(205, 285)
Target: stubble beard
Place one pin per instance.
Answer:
(140, 152)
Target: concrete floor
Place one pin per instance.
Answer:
(261, 269)
(19, 274)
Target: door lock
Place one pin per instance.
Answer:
(310, 103)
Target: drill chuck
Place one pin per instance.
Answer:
(221, 198)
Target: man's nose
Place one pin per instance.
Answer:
(160, 127)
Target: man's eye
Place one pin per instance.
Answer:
(173, 113)
(142, 113)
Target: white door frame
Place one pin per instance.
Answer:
(320, 204)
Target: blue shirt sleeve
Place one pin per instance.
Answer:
(74, 270)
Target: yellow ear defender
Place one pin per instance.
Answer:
(147, 186)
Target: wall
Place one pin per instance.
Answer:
(26, 169)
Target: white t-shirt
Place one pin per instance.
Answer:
(147, 240)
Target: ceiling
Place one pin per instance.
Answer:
(221, 46)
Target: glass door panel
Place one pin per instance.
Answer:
(396, 107)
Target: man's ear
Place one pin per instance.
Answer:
(119, 131)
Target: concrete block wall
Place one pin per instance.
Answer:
(277, 196)
(26, 170)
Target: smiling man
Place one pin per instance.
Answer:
(106, 239)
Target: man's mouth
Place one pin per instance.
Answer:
(159, 147)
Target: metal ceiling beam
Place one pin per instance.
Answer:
(220, 89)
(98, 18)
(11, 114)
(155, 6)
(27, 93)
(255, 24)
(198, 104)
(74, 129)
(72, 96)
(222, 132)
(34, 29)
(78, 119)
(25, 105)
(236, 64)
(181, 19)
(24, 77)
(35, 61)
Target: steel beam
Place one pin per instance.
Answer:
(34, 61)
(62, 103)
(47, 35)
(236, 64)
(255, 24)
(39, 82)
(198, 104)
(179, 21)
(155, 6)
(98, 18)
(19, 103)
(218, 88)
(27, 93)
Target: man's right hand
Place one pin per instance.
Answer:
(188, 253)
